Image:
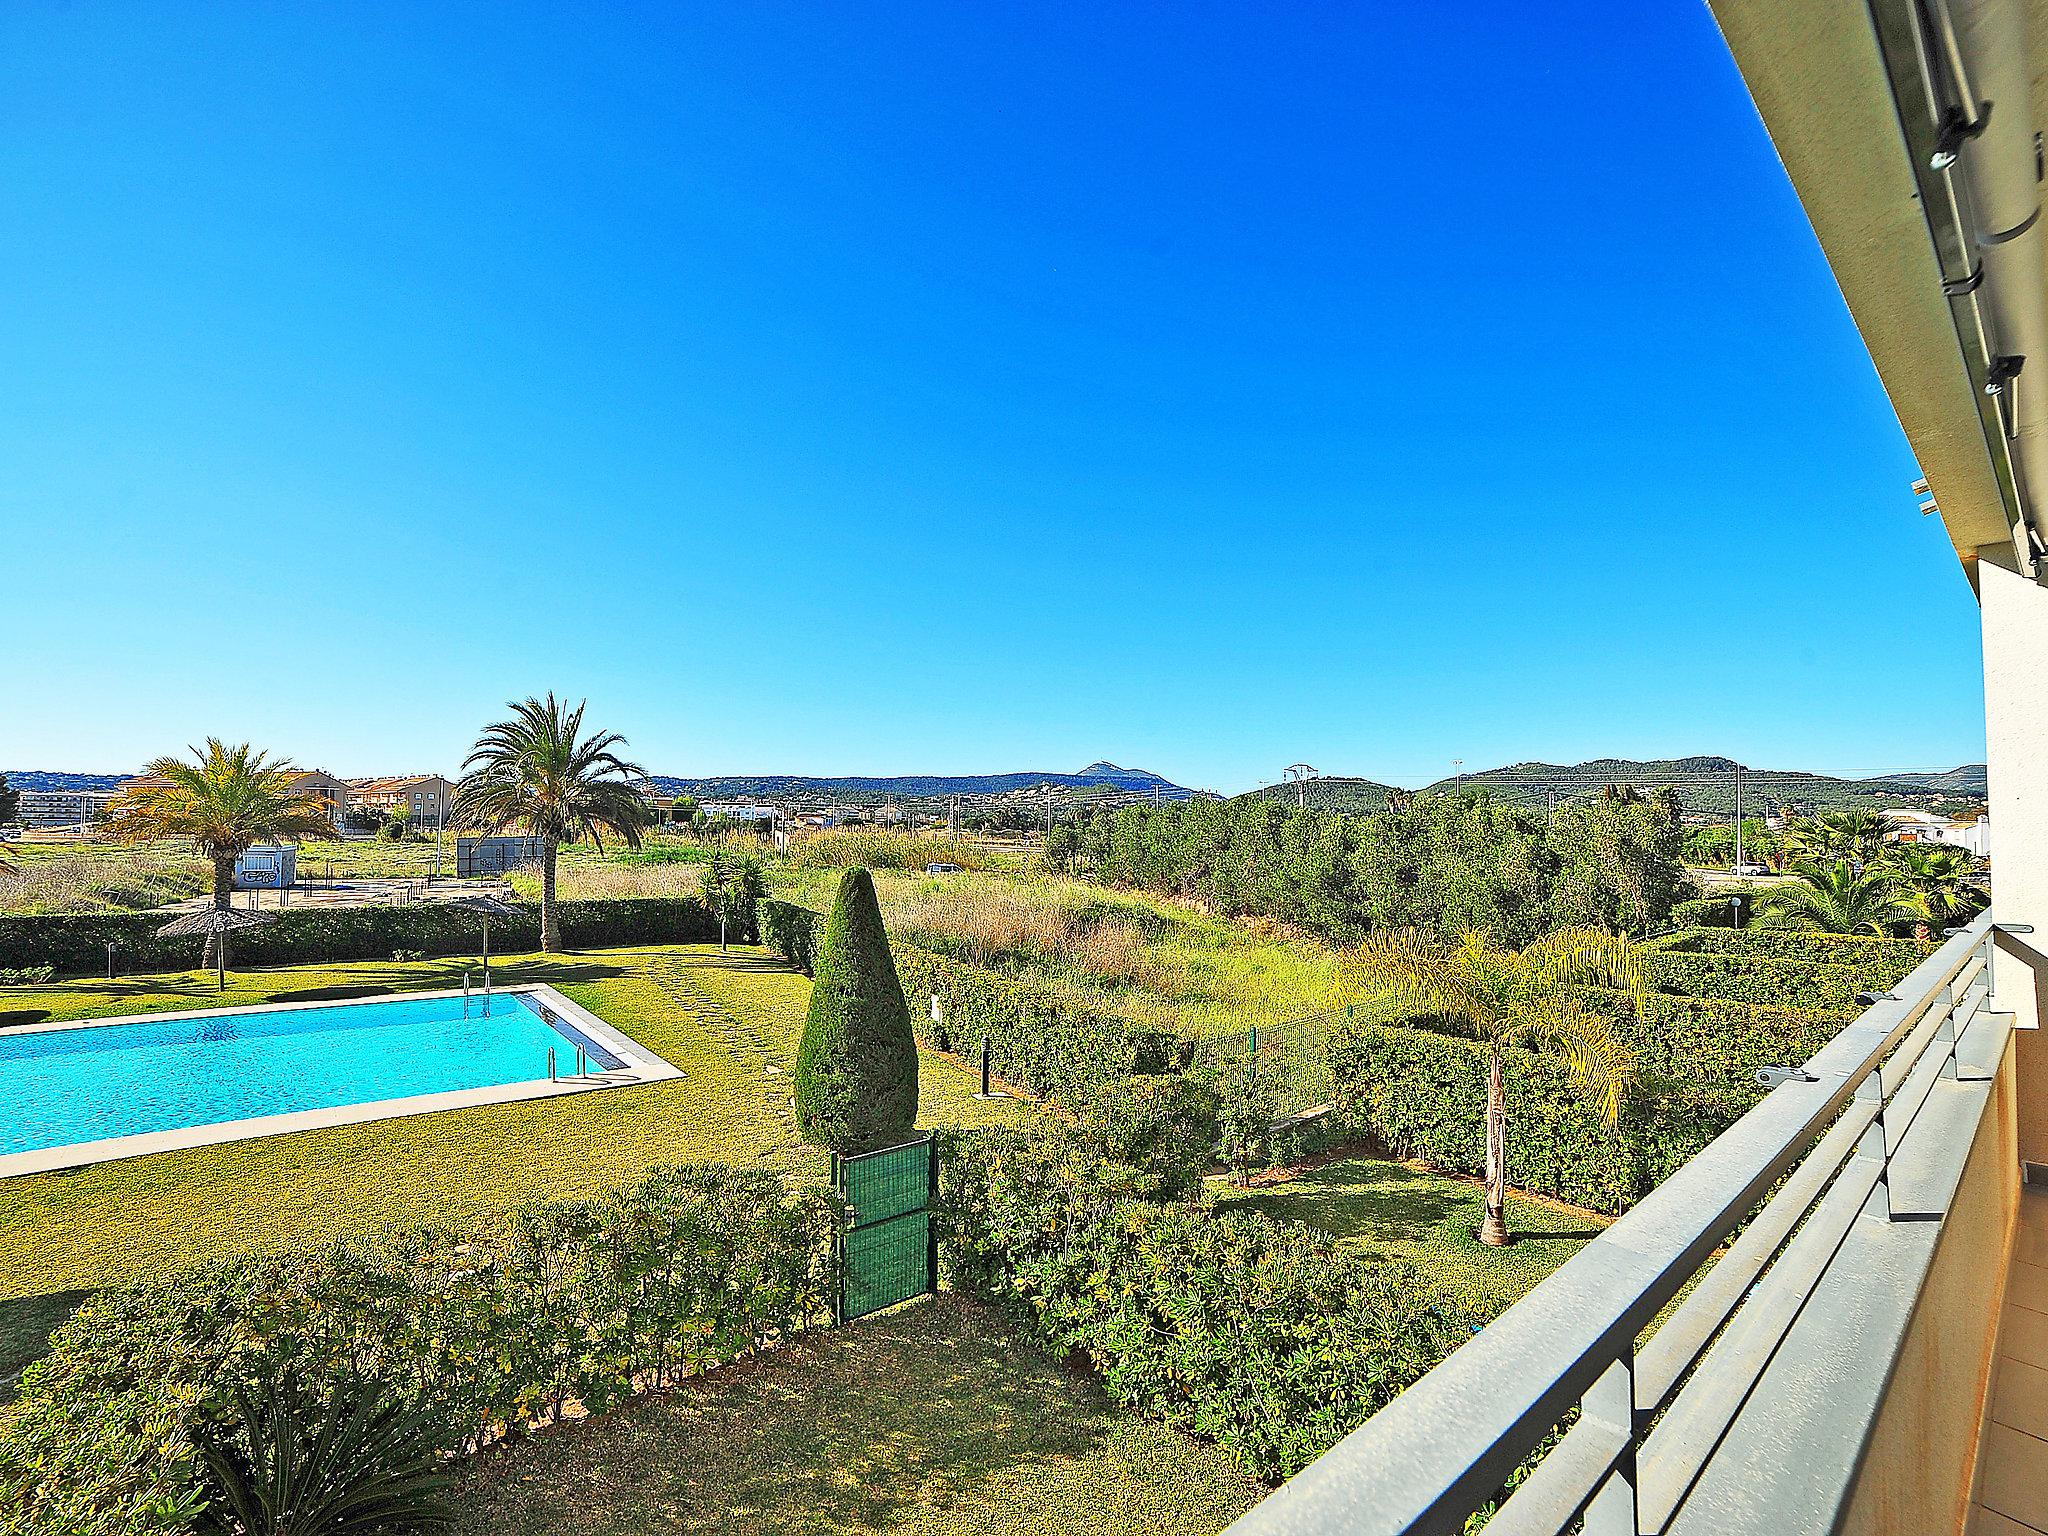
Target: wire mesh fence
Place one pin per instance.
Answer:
(1293, 1056)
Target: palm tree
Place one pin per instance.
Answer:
(1934, 882)
(224, 801)
(1858, 836)
(1834, 898)
(539, 772)
(1529, 997)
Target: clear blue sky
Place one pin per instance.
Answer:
(940, 387)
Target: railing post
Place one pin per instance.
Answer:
(1611, 1403)
(1945, 1031)
(1875, 1142)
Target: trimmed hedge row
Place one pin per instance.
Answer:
(1889, 961)
(1687, 1039)
(1423, 1095)
(1264, 1336)
(1768, 983)
(77, 945)
(1038, 1037)
(486, 1331)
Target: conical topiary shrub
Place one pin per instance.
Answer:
(856, 1071)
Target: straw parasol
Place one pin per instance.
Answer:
(216, 923)
(486, 907)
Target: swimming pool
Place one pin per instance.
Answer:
(109, 1088)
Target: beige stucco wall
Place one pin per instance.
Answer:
(1918, 1471)
(2015, 616)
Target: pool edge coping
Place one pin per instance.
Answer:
(642, 1066)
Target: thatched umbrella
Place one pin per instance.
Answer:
(216, 923)
(486, 907)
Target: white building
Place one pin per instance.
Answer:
(728, 810)
(62, 807)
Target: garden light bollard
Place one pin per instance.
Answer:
(984, 1067)
(112, 945)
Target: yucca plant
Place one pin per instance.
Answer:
(223, 801)
(290, 1461)
(1529, 997)
(538, 772)
(1834, 898)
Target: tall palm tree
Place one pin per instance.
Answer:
(1834, 898)
(538, 772)
(225, 800)
(1506, 997)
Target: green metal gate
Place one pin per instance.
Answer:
(889, 1250)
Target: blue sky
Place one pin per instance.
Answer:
(833, 388)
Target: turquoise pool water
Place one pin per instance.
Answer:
(63, 1086)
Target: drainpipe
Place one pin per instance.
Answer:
(1984, 49)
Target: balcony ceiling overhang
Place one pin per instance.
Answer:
(1827, 78)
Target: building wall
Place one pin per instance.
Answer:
(1920, 1466)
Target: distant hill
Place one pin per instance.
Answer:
(1353, 796)
(916, 786)
(1706, 786)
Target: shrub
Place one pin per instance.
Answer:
(789, 930)
(1422, 1094)
(1715, 1040)
(482, 1333)
(1263, 1336)
(26, 975)
(1153, 1137)
(1771, 983)
(77, 945)
(856, 1068)
(1886, 961)
(1711, 911)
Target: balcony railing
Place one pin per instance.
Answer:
(1815, 1215)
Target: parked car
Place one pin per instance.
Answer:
(942, 869)
(1752, 869)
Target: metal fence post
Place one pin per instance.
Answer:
(1875, 1142)
(931, 1228)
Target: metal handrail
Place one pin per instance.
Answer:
(1819, 1146)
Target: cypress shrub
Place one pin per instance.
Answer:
(856, 1070)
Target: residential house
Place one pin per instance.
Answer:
(421, 797)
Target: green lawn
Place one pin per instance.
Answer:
(730, 1022)
(1391, 1210)
(932, 1420)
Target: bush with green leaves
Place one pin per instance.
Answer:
(789, 930)
(484, 1332)
(1247, 1105)
(1264, 1336)
(1771, 983)
(1152, 1137)
(1422, 1094)
(26, 975)
(733, 888)
(856, 1066)
(77, 945)
(1884, 961)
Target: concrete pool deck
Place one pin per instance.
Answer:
(639, 1065)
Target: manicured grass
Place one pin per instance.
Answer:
(730, 1022)
(1392, 1210)
(933, 1420)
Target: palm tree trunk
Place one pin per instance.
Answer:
(550, 935)
(1493, 1231)
(223, 898)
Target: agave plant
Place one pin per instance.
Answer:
(1506, 997)
(539, 772)
(1835, 898)
(291, 1461)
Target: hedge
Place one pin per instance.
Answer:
(487, 1331)
(1038, 1037)
(1423, 1095)
(77, 945)
(1264, 1336)
(1690, 1039)
(1770, 983)
(790, 931)
(1886, 961)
